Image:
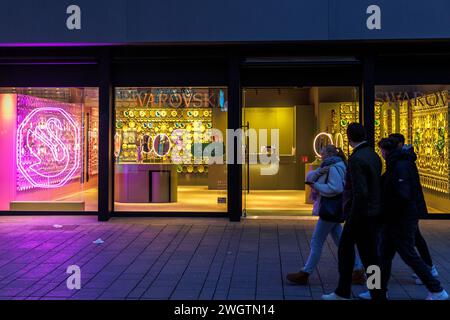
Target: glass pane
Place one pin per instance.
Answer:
(306, 120)
(169, 149)
(49, 141)
(420, 114)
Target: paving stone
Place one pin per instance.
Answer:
(164, 258)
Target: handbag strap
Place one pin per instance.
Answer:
(328, 176)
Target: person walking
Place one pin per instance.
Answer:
(400, 197)
(421, 244)
(362, 209)
(327, 182)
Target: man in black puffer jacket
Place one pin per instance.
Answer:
(421, 244)
(401, 194)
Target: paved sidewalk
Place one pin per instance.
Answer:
(180, 259)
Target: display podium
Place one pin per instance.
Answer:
(146, 183)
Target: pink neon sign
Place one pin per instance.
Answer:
(48, 146)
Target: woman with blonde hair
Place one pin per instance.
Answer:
(327, 184)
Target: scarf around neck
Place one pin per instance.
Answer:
(330, 161)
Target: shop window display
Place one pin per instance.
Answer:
(307, 119)
(341, 117)
(49, 139)
(161, 147)
(420, 113)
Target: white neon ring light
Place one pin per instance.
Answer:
(329, 136)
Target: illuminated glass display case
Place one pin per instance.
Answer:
(420, 113)
(49, 139)
(167, 138)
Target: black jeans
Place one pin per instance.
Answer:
(400, 237)
(362, 233)
(422, 248)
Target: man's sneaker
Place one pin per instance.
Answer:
(434, 273)
(443, 295)
(333, 296)
(366, 295)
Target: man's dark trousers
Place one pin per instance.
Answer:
(399, 237)
(363, 233)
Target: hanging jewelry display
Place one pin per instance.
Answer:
(404, 121)
(348, 113)
(431, 140)
(117, 144)
(385, 121)
(163, 121)
(378, 108)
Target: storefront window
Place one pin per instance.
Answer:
(420, 114)
(49, 143)
(169, 149)
(306, 120)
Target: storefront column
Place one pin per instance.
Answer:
(234, 122)
(106, 174)
(368, 98)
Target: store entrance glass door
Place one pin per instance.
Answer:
(284, 130)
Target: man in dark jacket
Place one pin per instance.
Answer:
(362, 207)
(421, 244)
(401, 193)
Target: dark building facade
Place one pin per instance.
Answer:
(131, 107)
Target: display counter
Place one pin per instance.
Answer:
(145, 183)
(285, 177)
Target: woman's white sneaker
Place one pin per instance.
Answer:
(365, 295)
(443, 295)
